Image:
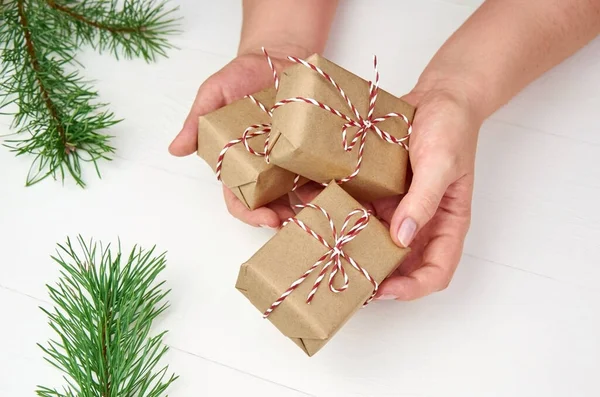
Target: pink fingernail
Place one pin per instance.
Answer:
(407, 231)
(268, 227)
(386, 298)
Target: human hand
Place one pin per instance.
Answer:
(246, 74)
(434, 216)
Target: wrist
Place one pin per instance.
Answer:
(469, 92)
(286, 27)
(278, 49)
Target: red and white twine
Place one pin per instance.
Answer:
(364, 125)
(332, 259)
(255, 130)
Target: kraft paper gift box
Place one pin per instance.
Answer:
(292, 251)
(251, 179)
(307, 139)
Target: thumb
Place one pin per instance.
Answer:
(431, 178)
(209, 98)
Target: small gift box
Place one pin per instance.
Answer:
(331, 124)
(320, 268)
(233, 141)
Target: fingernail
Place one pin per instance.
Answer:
(267, 227)
(385, 298)
(407, 231)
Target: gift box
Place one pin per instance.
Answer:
(331, 124)
(320, 268)
(232, 141)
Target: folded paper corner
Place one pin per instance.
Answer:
(310, 346)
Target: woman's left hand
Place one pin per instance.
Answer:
(434, 216)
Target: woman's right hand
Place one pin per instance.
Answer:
(244, 75)
(284, 28)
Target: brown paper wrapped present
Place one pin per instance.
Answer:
(309, 118)
(247, 174)
(367, 256)
(234, 141)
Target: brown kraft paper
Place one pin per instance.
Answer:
(292, 251)
(307, 139)
(251, 179)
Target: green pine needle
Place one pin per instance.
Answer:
(51, 104)
(104, 307)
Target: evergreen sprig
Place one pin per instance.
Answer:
(41, 88)
(104, 307)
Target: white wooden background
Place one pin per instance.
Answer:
(521, 317)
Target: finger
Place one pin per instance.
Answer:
(238, 78)
(210, 97)
(260, 217)
(307, 192)
(414, 259)
(432, 176)
(420, 283)
(386, 207)
(282, 208)
(440, 260)
(384, 223)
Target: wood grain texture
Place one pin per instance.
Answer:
(519, 319)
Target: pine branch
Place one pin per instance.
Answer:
(35, 65)
(113, 28)
(104, 307)
(137, 29)
(55, 108)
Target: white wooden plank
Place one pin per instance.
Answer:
(535, 203)
(137, 203)
(209, 26)
(154, 100)
(493, 333)
(533, 191)
(564, 101)
(158, 96)
(406, 36)
(403, 34)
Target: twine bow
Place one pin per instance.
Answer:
(255, 130)
(334, 258)
(364, 125)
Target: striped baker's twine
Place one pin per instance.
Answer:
(332, 259)
(364, 125)
(255, 130)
